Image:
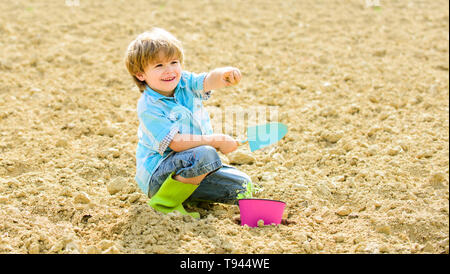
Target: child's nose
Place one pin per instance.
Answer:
(170, 68)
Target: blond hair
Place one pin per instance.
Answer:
(146, 49)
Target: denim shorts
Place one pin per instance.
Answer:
(222, 184)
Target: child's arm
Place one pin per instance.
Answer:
(221, 77)
(222, 142)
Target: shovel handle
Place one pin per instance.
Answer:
(240, 143)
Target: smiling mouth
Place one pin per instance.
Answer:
(168, 79)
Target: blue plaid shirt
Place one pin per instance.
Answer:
(161, 117)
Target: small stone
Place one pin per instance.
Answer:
(343, 211)
(72, 248)
(319, 246)
(437, 179)
(34, 248)
(380, 52)
(386, 229)
(347, 77)
(111, 250)
(360, 247)
(384, 248)
(404, 145)
(4, 199)
(323, 59)
(116, 102)
(358, 239)
(332, 137)
(92, 250)
(394, 150)
(268, 176)
(58, 246)
(82, 198)
(307, 246)
(427, 117)
(114, 152)
(443, 243)
(116, 185)
(428, 248)
(98, 165)
(300, 187)
(347, 146)
(353, 108)
(241, 158)
(377, 203)
(60, 164)
(134, 197)
(327, 86)
(62, 143)
(425, 154)
(373, 130)
(278, 157)
(70, 126)
(318, 219)
(322, 188)
(374, 99)
(372, 150)
(102, 154)
(65, 191)
(289, 164)
(105, 244)
(108, 130)
(339, 238)
(301, 237)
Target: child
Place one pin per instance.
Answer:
(176, 157)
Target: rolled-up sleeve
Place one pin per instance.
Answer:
(159, 129)
(195, 82)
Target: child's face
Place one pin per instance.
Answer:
(162, 77)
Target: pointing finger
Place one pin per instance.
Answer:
(237, 76)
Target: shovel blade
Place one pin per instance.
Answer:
(264, 135)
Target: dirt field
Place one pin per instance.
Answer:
(363, 90)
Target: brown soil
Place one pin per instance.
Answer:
(363, 90)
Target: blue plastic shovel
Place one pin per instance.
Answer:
(264, 135)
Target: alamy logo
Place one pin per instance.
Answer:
(372, 3)
(246, 122)
(72, 3)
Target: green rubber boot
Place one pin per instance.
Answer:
(171, 195)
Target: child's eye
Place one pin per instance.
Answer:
(174, 62)
(158, 65)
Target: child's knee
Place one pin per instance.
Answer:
(206, 154)
(203, 160)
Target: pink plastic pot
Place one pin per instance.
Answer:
(252, 210)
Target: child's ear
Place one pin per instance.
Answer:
(140, 76)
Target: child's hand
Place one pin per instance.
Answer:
(224, 143)
(222, 77)
(231, 76)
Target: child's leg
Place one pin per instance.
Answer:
(227, 185)
(192, 181)
(190, 166)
